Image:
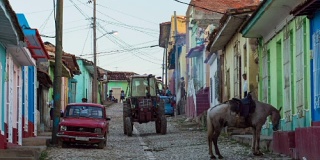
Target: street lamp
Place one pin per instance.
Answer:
(112, 32)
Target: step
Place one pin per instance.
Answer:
(35, 141)
(14, 153)
(199, 104)
(203, 98)
(265, 141)
(18, 158)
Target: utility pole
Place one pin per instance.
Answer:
(95, 73)
(163, 68)
(166, 67)
(57, 72)
(176, 59)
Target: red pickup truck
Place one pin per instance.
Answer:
(84, 123)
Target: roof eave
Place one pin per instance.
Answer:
(254, 18)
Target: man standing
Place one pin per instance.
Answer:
(183, 86)
(245, 84)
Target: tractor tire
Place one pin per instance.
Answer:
(129, 126)
(126, 113)
(160, 111)
(163, 124)
(158, 125)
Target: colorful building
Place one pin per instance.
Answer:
(118, 81)
(238, 56)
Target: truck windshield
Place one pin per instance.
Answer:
(84, 111)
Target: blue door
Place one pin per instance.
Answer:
(315, 109)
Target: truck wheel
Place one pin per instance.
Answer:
(63, 144)
(163, 124)
(129, 126)
(103, 143)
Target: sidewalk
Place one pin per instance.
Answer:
(242, 137)
(31, 148)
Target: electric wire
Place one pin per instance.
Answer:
(139, 29)
(117, 20)
(45, 22)
(85, 41)
(120, 51)
(128, 14)
(198, 7)
(125, 44)
(116, 39)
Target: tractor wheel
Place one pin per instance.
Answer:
(124, 126)
(163, 124)
(160, 110)
(129, 126)
(126, 113)
(158, 125)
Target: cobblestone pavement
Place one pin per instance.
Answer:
(182, 142)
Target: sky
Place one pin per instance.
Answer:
(136, 23)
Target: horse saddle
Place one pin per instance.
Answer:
(244, 106)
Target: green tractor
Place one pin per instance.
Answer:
(143, 104)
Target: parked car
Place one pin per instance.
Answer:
(84, 123)
(168, 108)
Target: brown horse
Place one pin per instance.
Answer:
(225, 114)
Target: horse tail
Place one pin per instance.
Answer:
(210, 130)
(210, 127)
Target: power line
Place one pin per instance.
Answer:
(123, 50)
(128, 26)
(85, 41)
(198, 7)
(116, 39)
(45, 22)
(128, 14)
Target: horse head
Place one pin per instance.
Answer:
(275, 119)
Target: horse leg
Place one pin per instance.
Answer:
(210, 132)
(253, 144)
(259, 153)
(210, 145)
(215, 142)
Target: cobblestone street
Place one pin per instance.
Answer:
(181, 142)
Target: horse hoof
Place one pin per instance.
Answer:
(257, 154)
(220, 157)
(212, 157)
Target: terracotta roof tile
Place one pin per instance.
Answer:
(222, 5)
(117, 75)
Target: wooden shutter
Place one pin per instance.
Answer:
(287, 74)
(300, 69)
(265, 75)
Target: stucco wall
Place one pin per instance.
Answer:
(83, 83)
(116, 85)
(276, 98)
(2, 94)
